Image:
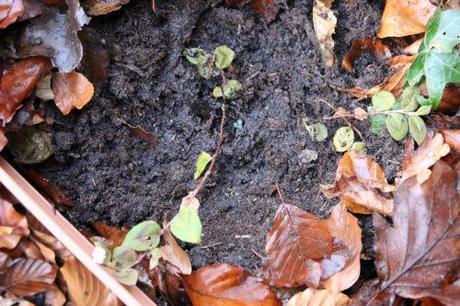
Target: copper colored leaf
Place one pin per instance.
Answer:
(26, 277)
(113, 233)
(324, 23)
(10, 11)
(420, 250)
(55, 193)
(405, 17)
(84, 288)
(375, 46)
(417, 162)
(71, 90)
(316, 297)
(54, 297)
(223, 284)
(52, 243)
(361, 185)
(17, 223)
(103, 7)
(173, 253)
(452, 138)
(18, 82)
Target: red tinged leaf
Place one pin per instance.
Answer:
(305, 250)
(26, 277)
(13, 225)
(55, 193)
(10, 11)
(113, 233)
(71, 90)
(223, 284)
(18, 82)
(420, 251)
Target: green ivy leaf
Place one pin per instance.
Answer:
(383, 101)
(155, 256)
(186, 225)
(203, 160)
(217, 92)
(142, 236)
(317, 131)
(127, 276)
(423, 110)
(224, 56)
(417, 128)
(409, 99)
(359, 147)
(444, 32)
(123, 257)
(230, 88)
(196, 56)
(397, 126)
(343, 139)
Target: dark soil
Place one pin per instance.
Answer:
(115, 177)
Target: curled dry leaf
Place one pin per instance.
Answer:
(113, 233)
(173, 253)
(361, 185)
(51, 242)
(417, 162)
(405, 17)
(305, 250)
(18, 82)
(26, 276)
(71, 90)
(103, 7)
(10, 11)
(13, 225)
(375, 46)
(324, 23)
(420, 250)
(317, 297)
(84, 288)
(223, 284)
(166, 278)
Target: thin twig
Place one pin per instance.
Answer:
(280, 194)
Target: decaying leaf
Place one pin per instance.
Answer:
(30, 145)
(405, 17)
(54, 192)
(375, 46)
(18, 82)
(417, 162)
(13, 225)
(361, 185)
(102, 7)
(173, 253)
(324, 23)
(113, 233)
(223, 284)
(54, 34)
(420, 249)
(305, 250)
(169, 282)
(10, 11)
(26, 277)
(71, 90)
(84, 288)
(317, 297)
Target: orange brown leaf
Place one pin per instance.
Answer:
(10, 11)
(71, 90)
(113, 233)
(317, 297)
(375, 46)
(173, 253)
(14, 225)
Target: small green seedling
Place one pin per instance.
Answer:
(202, 161)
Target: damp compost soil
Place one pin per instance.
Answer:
(117, 178)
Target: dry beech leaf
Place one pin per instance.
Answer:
(412, 49)
(420, 249)
(405, 17)
(14, 225)
(452, 138)
(223, 284)
(103, 7)
(84, 288)
(46, 252)
(3, 140)
(173, 253)
(26, 276)
(360, 184)
(18, 82)
(10, 11)
(54, 192)
(324, 23)
(113, 233)
(54, 297)
(375, 46)
(71, 90)
(417, 162)
(317, 297)
(169, 282)
(305, 250)
(51, 242)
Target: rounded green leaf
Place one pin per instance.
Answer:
(186, 225)
(196, 56)
(409, 99)
(142, 235)
(383, 101)
(423, 110)
(230, 88)
(397, 126)
(343, 139)
(417, 128)
(317, 131)
(217, 92)
(203, 159)
(123, 257)
(127, 276)
(224, 56)
(359, 147)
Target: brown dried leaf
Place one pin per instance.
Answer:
(26, 277)
(375, 46)
(324, 23)
(18, 82)
(420, 249)
(223, 284)
(15, 222)
(10, 11)
(360, 184)
(417, 162)
(113, 233)
(452, 138)
(405, 17)
(52, 243)
(166, 278)
(55, 193)
(173, 253)
(305, 250)
(54, 297)
(103, 7)
(316, 297)
(84, 288)
(71, 90)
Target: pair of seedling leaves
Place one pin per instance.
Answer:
(211, 65)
